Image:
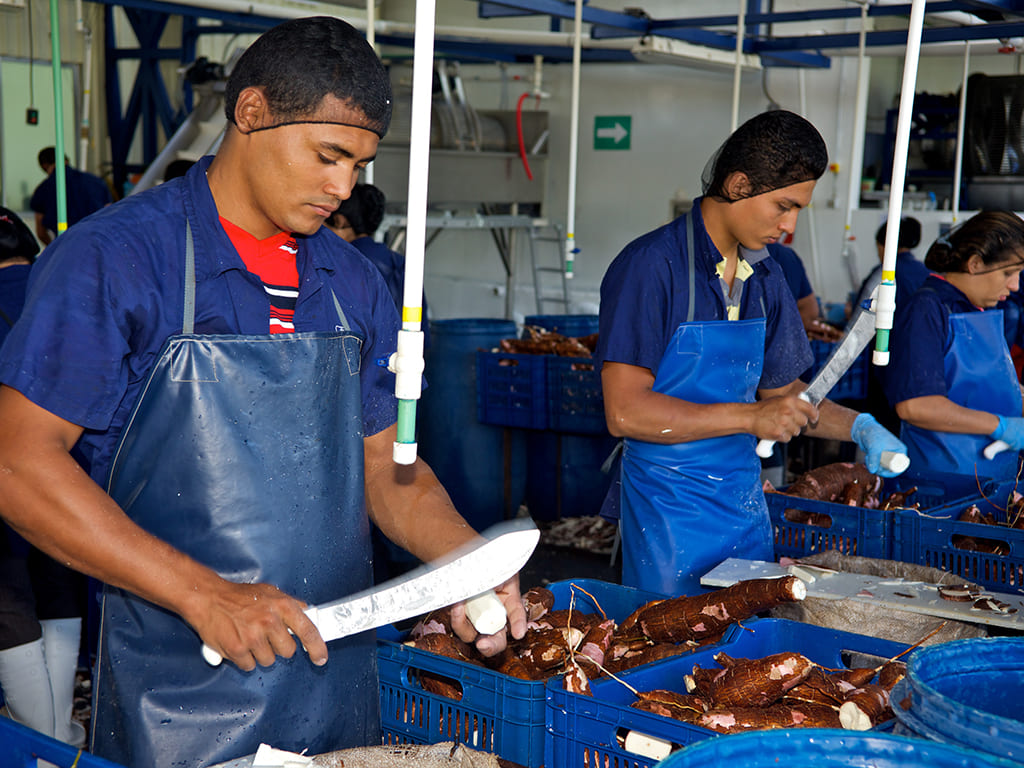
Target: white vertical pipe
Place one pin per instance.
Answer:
(961, 121)
(811, 218)
(83, 126)
(371, 38)
(886, 304)
(574, 129)
(856, 147)
(741, 24)
(408, 361)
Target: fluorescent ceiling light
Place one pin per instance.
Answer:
(665, 50)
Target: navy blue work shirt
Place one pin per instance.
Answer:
(106, 295)
(86, 194)
(792, 269)
(920, 340)
(644, 299)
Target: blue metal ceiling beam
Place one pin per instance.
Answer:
(824, 14)
(991, 31)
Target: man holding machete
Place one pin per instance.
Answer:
(701, 346)
(228, 470)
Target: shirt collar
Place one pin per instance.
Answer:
(749, 256)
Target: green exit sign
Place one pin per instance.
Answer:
(612, 131)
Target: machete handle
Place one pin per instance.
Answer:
(894, 462)
(995, 448)
(765, 447)
(214, 659)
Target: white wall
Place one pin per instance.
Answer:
(680, 116)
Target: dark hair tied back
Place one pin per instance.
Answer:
(994, 236)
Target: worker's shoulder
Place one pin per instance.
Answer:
(126, 231)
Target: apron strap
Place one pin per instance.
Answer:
(189, 321)
(690, 270)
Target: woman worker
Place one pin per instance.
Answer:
(956, 396)
(701, 345)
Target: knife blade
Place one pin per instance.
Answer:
(465, 574)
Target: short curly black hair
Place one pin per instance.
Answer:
(301, 61)
(773, 150)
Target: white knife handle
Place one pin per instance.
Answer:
(765, 447)
(894, 462)
(214, 659)
(995, 448)
(486, 612)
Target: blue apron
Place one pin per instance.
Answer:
(979, 375)
(687, 507)
(231, 456)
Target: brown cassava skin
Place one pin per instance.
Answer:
(666, 703)
(644, 655)
(757, 682)
(446, 645)
(576, 680)
(827, 483)
(537, 601)
(891, 673)
(856, 677)
(872, 701)
(508, 663)
(740, 719)
(700, 616)
(597, 640)
(819, 688)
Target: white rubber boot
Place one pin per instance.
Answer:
(61, 639)
(26, 685)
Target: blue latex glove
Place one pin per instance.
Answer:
(873, 438)
(1011, 432)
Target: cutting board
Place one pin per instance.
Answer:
(897, 594)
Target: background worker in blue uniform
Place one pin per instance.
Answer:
(952, 381)
(356, 221)
(214, 355)
(910, 275)
(700, 346)
(85, 192)
(806, 300)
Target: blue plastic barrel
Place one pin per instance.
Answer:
(468, 457)
(567, 325)
(827, 748)
(968, 693)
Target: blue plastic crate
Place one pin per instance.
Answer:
(511, 389)
(21, 747)
(859, 531)
(589, 731)
(496, 713)
(854, 383)
(575, 400)
(937, 539)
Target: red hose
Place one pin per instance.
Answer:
(519, 131)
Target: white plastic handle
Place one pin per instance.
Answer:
(486, 612)
(894, 462)
(997, 447)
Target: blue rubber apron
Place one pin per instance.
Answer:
(979, 375)
(688, 506)
(246, 453)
